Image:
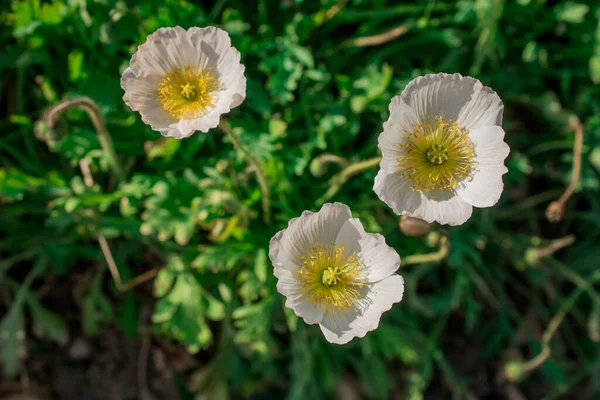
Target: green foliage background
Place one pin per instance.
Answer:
(194, 206)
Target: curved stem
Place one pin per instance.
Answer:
(436, 256)
(556, 209)
(555, 324)
(554, 246)
(338, 180)
(261, 177)
(105, 248)
(318, 166)
(99, 124)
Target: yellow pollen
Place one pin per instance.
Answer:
(330, 279)
(436, 155)
(187, 92)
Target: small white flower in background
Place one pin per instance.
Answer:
(335, 274)
(443, 149)
(182, 81)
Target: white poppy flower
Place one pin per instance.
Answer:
(443, 149)
(335, 274)
(182, 81)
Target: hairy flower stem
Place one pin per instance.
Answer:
(436, 256)
(318, 166)
(99, 124)
(555, 323)
(338, 180)
(556, 209)
(261, 177)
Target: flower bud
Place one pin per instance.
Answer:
(514, 371)
(413, 226)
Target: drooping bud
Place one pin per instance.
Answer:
(514, 371)
(411, 226)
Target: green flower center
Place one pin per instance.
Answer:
(331, 276)
(188, 91)
(437, 154)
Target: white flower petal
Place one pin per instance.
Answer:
(169, 49)
(443, 207)
(310, 312)
(140, 95)
(210, 120)
(460, 98)
(214, 51)
(333, 225)
(485, 187)
(307, 230)
(379, 259)
(289, 286)
(342, 326)
(402, 120)
(288, 245)
(164, 50)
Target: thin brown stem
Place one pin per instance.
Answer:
(376, 40)
(333, 10)
(556, 209)
(553, 247)
(554, 324)
(141, 278)
(99, 123)
(106, 252)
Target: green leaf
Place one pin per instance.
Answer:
(164, 281)
(222, 257)
(12, 338)
(75, 65)
(14, 184)
(572, 12)
(260, 265)
(47, 324)
(180, 314)
(12, 326)
(96, 308)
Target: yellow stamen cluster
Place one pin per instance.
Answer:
(436, 155)
(328, 278)
(187, 92)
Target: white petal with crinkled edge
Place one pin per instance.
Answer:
(379, 259)
(141, 95)
(460, 98)
(334, 224)
(402, 120)
(163, 51)
(288, 245)
(171, 48)
(443, 207)
(307, 230)
(214, 51)
(485, 187)
(341, 326)
(289, 286)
